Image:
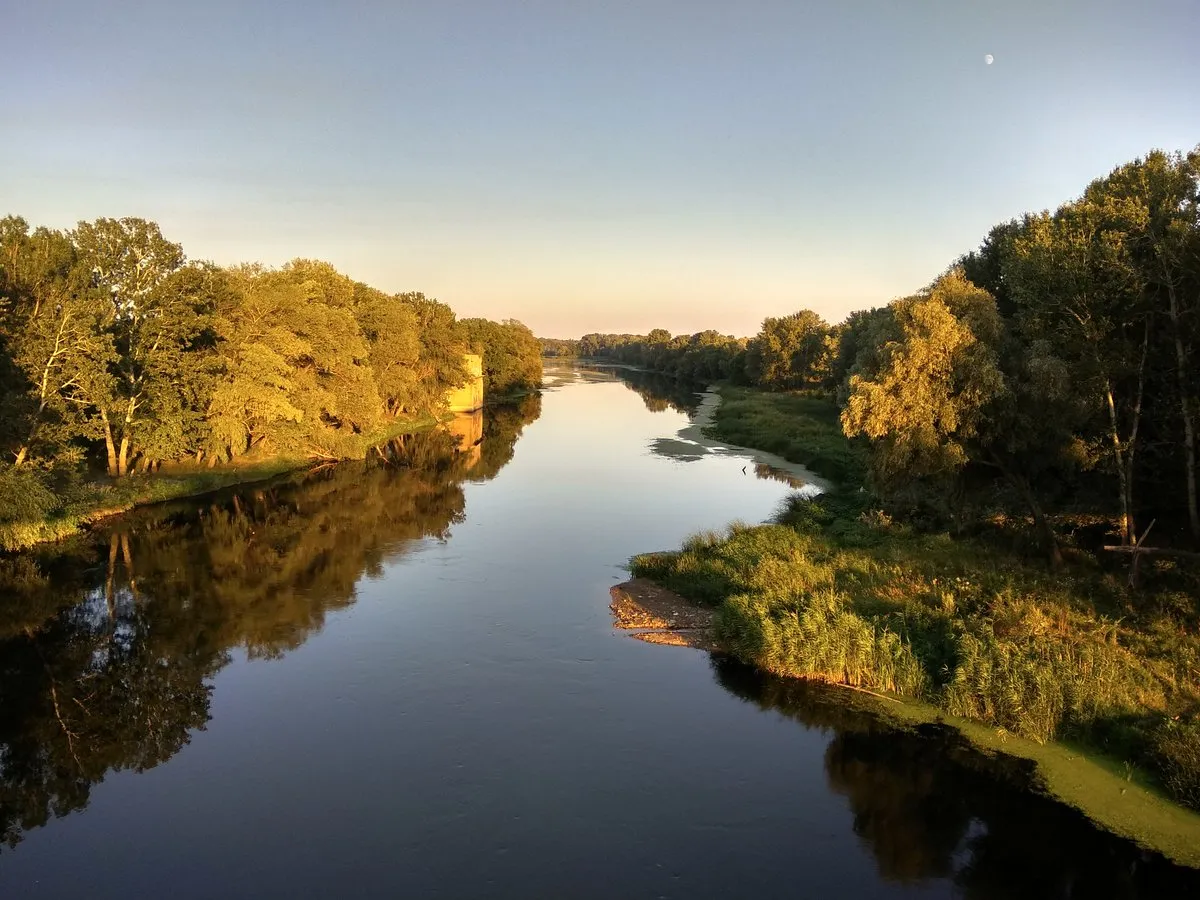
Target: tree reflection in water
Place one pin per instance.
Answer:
(658, 391)
(108, 643)
(930, 807)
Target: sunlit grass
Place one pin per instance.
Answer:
(47, 515)
(837, 593)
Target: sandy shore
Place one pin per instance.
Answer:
(695, 434)
(658, 616)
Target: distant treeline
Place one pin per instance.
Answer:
(115, 348)
(1058, 361)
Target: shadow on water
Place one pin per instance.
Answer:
(931, 807)
(108, 643)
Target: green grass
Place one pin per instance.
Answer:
(54, 518)
(801, 428)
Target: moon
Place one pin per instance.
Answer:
(989, 59)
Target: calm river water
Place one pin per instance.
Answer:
(399, 678)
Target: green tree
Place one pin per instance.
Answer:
(440, 364)
(391, 330)
(130, 261)
(512, 356)
(51, 327)
(790, 352)
(1155, 204)
(924, 405)
(1076, 289)
(295, 370)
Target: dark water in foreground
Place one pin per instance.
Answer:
(399, 678)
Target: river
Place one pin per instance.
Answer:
(399, 677)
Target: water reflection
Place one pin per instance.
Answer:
(108, 644)
(930, 807)
(658, 391)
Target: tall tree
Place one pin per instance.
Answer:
(50, 328)
(1075, 287)
(1155, 204)
(129, 260)
(512, 356)
(390, 328)
(790, 352)
(440, 365)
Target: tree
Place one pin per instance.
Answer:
(129, 260)
(440, 364)
(295, 369)
(1075, 288)
(790, 352)
(512, 356)
(1155, 204)
(923, 405)
(391, 330)
(51, 334)
(953, 389)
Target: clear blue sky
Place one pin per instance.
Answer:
(589, 166)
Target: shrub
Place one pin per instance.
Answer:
(25, 503)
(1039, 685)
(1176, 747)
(818, 636)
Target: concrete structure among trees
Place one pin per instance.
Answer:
(469, 397)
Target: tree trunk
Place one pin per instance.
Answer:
(123, 458)
(109, 445)
(1046, 535)
(109, 592)
(1189, 430)
(1119, 456)
(1041, 524)
(127, 555)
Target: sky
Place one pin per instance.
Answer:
(589, 166)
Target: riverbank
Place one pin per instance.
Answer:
(712, 419)
(1095, 684)
(93, 502)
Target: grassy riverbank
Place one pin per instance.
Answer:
(837, 591)
(802, 429)
(83, 504)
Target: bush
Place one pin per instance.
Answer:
(1177, 751)
(25, 503)
(1040, 686)
(818, 636)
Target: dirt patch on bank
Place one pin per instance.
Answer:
(658, 616)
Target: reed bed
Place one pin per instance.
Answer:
(835, 592)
